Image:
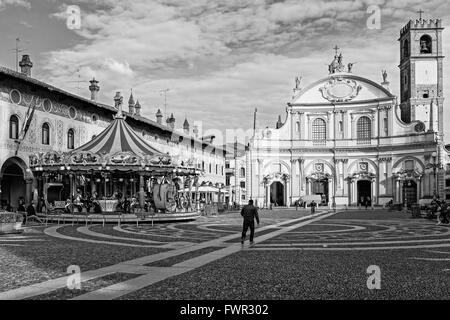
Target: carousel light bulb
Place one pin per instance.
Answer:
(108, 168)
(62, 168)
(100, 168)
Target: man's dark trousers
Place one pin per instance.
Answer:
(251, 225)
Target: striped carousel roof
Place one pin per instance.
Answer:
(119, 137)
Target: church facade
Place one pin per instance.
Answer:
(351, 140)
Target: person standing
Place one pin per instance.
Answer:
(21, 207)
(313, 207)
(442, 213)
(250, 214)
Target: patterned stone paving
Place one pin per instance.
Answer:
(191, 245)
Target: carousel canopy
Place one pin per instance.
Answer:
(118, 147)
(119, 138)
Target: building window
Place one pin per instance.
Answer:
(70, 139)
(364, 130)
(447, 183)
(14, 127)
(210, 168)
(385, 120)
(341, 126)
(297, 127)
(217, 169)
(242, 173)
(46, 134)
(242, 184)
(203, 165)
(243, 197)
(319, 130)
(227, 165)
(227, 181)
(222, 169)
(426, 44)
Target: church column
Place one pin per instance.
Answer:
(375, 126)
(330, 125)
(352, 126)
(374, 191)
(293, 181)
(308, 124)
(390, 117)
(331, 191)
(301, 133)
(397, 190)
(390, 187)
(301, 163)
(349, 191)
(344, 175)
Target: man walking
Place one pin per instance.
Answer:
(249, 213)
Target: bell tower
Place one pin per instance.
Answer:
(421, 73)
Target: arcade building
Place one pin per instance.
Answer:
(38, 118)
(350, 139)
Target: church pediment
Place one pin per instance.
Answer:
(341, 88)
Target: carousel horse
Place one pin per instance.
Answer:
(164, 196)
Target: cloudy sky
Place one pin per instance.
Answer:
(220, 59)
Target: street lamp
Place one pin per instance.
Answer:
(435, 166)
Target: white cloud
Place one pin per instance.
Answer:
(17, 3)
(223, 58)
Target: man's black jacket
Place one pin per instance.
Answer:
(250, 213)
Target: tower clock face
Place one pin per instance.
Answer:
(426, 72)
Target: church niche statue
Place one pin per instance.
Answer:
(337, 64)
(385, 75)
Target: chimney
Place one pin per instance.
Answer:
(131, 104)
(186, 126)
(137, 108)
(94, 88)
(26, 65)
(159, 117)
(171, 121)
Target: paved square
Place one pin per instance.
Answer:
(296, 256)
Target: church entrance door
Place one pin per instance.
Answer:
(410, 192)
(320, 187)
(277, 194)
(364, 192)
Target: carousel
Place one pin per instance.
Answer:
(117, 172)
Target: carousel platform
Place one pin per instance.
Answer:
(117, 218)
